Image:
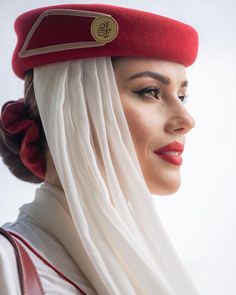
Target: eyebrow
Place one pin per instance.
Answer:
(163, 79)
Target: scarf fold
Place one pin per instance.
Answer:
(113, 231)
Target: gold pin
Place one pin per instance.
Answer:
(104, 29)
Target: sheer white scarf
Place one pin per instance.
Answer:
(125, 248)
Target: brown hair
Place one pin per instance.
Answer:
(10, 145)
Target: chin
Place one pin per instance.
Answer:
(164, 190)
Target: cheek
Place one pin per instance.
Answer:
(141, 123)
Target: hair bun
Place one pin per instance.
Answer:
(20, 125)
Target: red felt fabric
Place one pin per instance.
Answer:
(140, 34)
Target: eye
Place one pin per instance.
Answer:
(183, 98)
(149, 92)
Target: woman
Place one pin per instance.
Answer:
(102, 126)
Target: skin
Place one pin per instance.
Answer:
(156, 117)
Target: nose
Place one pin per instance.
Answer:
(179, 119)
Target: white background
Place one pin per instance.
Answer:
(200, 218)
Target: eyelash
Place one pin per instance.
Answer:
(143, 93)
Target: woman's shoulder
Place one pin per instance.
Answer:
(29, 230)
(9, 276)
(50, 249)
(9, 282)
(41, 240)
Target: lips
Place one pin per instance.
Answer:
(171, 147)
(171, 153)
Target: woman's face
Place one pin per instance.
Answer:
(152, 93)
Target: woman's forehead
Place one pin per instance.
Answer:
(131, 68)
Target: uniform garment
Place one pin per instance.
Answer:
(51, 249)
(9, 281)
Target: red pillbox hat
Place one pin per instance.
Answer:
(66, 32)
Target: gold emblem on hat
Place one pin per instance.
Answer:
(104, 29)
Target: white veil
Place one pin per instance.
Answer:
(123, 248)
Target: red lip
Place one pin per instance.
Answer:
(171, 147)
(175, 146)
